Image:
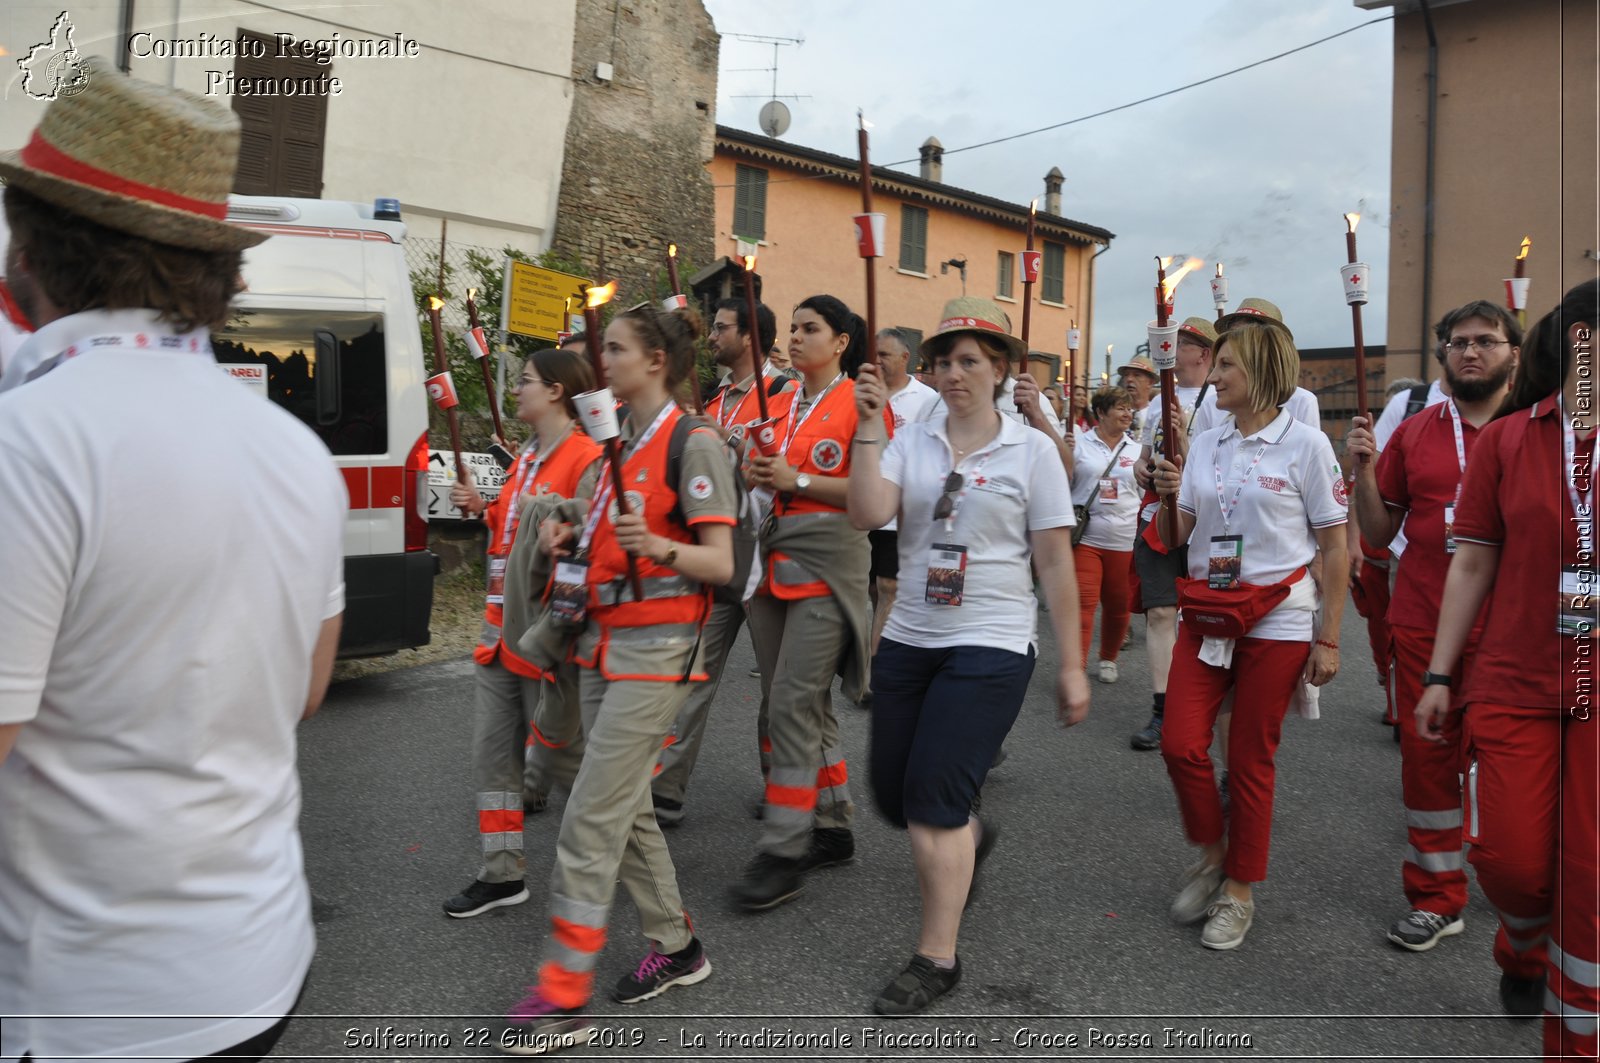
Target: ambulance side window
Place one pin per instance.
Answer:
(345, 403)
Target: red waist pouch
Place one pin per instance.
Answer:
(1230, 614)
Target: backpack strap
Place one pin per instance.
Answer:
(675, 444)
(1417, 400)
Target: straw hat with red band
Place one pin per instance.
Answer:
(979, 316)
(1253, 310)
(1200, 330)
(138, 157)
(1140, 363)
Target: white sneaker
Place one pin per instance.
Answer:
(1199, 887)
(1227, 922)
(1108, 671)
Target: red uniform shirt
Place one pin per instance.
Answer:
(1420, 473)
(1515, 497)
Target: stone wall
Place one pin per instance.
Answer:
(635, 175)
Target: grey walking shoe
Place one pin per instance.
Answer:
(1420, 931)
(1198, 888)
(1227, 922)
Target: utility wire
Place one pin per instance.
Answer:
(1119, 107)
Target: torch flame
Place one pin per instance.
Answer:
(1033, 206)
(435, 303)
(593, 296)
(750, 263)
(1352, 220)
(1170, 285)
(1219, 269)
(672, 250)
(472, 293)
(1166, 260)
(862, 119)
(1527, 242)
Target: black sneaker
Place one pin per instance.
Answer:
(1522, 998)
(660, 971)
(767, 882)
(1150, 737)
(1420, 931)
(920, 984)
(481, 896)
(830, 847)
(991, 834)
(536, 1027)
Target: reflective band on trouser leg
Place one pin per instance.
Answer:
(497, 765)
(1572, 996)
(1433, 873)
(1516, 752)
(791, 806)
(577, 934)
(500, 824)
(834, 807)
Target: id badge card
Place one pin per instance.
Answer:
(1450, 528)
(947, 574)
(1577, 616)
(496, 592)
(569, 593)
(1108, 489)
(1227, 561)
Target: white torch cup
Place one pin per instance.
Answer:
(1163, 345)
(1219, 292)
(598, 411)
(1074, 338)
(871, 234)
(1517, 292)
(674, 302)
(1357, 280)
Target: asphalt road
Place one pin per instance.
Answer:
(1068, 949)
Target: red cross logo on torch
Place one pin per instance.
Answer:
(1355, 278)
(1165, 346)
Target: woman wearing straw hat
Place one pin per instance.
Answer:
(1102, 482)
(637, 659)
(981, 500)
(810, 616)
(1256, 499)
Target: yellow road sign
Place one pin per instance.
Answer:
(537, 300)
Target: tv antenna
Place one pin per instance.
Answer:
(774, 116)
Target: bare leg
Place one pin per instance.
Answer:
(944, 859)
(1160, 636)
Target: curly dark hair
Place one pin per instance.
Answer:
(82, 265)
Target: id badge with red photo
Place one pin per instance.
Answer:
(947, 574)
(496, 592)
(1450, 529)
(1226, 562)
(569, 592)
(1108, 489)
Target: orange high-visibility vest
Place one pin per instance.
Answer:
(558, 475)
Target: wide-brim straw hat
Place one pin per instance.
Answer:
(1140, 363)
(141, 158)
(1253, 310)
(1200, 329)
(982, 317)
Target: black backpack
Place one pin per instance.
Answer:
(744, 528)
(1417, 400)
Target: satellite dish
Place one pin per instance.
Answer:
(774, 118)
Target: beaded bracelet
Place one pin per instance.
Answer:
(1330, 645)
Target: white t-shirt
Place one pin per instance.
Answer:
(1113, 507)
(172, 546)
(1393, 414)
(1295, 489)
(1302, 406)
(912, 403)
(1015, 486)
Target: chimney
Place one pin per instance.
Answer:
(1052, 191)
(932, 168)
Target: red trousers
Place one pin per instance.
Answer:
(1263, 677)
(1533, 820)
(1370, 595)
(1103, 580)
(1433, 874)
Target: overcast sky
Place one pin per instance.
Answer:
(1256, 168)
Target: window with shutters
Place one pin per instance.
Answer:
(281, 136)
(1002, 284)
(914, 239)
(750, 202)
(1053, 273)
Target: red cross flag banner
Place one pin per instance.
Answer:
(442, 390)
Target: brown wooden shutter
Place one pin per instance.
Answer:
(282, 137)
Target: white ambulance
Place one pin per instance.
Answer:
(327, 329)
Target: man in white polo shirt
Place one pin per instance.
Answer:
(173, 586)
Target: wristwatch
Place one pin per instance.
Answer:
(802, 482)
(672, 555)
(1434, 679)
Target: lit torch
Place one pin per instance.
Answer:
(1030, 272)
(1357, 281)
(478, 345)
(870, 229)
(1164, 350)
(441, 385)
(1074, 339)
(1517, 284)
(594, 299)
(1219, 292)
(758, 357)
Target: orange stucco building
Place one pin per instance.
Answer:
(798, 202)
